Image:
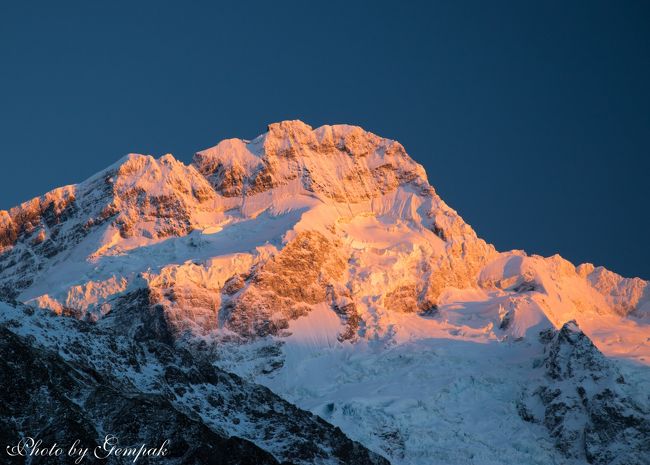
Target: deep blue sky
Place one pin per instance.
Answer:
(531, 118)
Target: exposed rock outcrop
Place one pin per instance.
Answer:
(583, 402)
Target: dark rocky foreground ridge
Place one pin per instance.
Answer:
(56, 401)
(62, 380)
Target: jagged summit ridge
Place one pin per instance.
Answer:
(343, 163)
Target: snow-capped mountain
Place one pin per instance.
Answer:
(321, 264)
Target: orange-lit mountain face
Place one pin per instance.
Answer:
(254, 234)
(302, 241)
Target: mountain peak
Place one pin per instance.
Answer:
(340, 163)
(289, 127)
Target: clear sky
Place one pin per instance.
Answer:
(532, 119)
